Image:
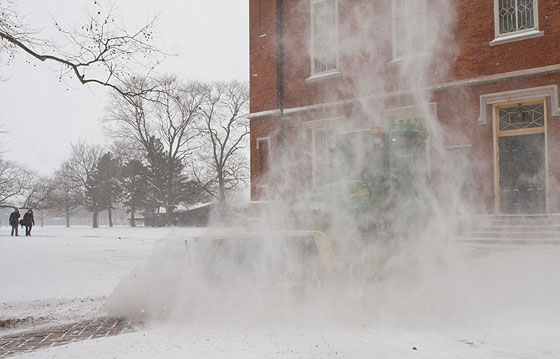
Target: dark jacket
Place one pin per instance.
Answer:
(28, 219)
(14, 216)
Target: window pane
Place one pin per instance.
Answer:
(324, 37)
(507, 16)
(525, 14)
(320, 145)
(321, 156)
(409, 27)
(320, 49)
(522, 116)
(319, 12)
(516, 15)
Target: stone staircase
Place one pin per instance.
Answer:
(511, 229)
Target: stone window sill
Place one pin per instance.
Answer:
(516, 36)
(408, 58)
(323, 75)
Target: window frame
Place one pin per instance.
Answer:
(309, 133)
(516, 35)
(315, 74)
(395, 39)
(497, 134)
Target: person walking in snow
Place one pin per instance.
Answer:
(28, 221)
(14, 221)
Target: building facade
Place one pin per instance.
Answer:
(481, 75)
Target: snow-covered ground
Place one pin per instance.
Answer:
(467, 302)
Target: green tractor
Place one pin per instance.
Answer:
(378, 183)
(375, 191)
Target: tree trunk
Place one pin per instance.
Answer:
(132, 221)
(169, 216)
(110, 215)
(222, 208)
(95, 218)
(67, 214)
(42, 219)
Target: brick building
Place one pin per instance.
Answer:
(481, 75)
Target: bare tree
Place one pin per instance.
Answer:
(41, 195)
(226, 129)
(99, 51)
(162, 126)
(80, 169)
(14, 182)
(64, 198)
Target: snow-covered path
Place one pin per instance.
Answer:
(501, 302)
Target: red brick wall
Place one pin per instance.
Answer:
(367, 71)
(263, 52)
(475, 30)
(365, 52)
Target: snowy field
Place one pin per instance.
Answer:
(470, 302)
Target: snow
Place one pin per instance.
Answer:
(474, 302)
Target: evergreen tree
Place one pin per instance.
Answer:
(92, 198)
(107, 177)
(169, 185)
(134, 184)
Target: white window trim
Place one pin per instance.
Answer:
(516, 35)
(427, 111)
(335, 124)
(519, 95)
(394, 39)
(329, 73)
(323, 75)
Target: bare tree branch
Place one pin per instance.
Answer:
(100, 51)
(226, 130)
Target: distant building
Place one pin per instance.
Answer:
(196, 215)
(481, 75)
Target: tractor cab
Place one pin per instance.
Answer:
(372, 171)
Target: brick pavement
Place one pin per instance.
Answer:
(62, 334)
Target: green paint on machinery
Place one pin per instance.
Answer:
(378, 178)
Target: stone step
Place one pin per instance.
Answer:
(526, 218)
(521, 216)
(522, 228)
(505, 241)
(512, 234)
(524, 222)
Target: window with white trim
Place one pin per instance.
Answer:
(324, 36)
(409, 28)
(319, 134)
(515, 16)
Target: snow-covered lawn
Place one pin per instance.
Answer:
(62, 274)
(490, 302)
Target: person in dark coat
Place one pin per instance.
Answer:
(28, 221)
(14, 221)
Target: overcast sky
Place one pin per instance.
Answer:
(43, 116)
